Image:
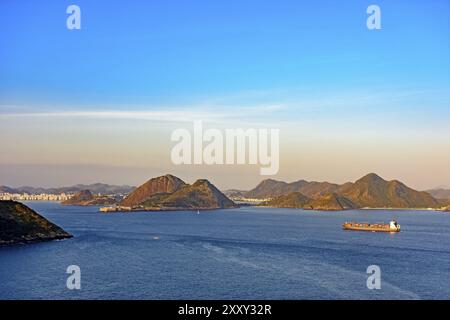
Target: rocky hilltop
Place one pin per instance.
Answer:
(375, 192)
(371, 191)
(161, 185)
(86, 198)
(171, 193)
(20, 224)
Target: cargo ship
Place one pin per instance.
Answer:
(392, 226)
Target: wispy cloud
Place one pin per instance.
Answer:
(186, 114)
(171, 116)
(277, 109)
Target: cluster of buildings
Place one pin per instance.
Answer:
(35, 197)
(243, 200)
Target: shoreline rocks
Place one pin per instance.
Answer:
(20, 224)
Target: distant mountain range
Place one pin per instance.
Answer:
(371, 191)
(5, 189)
(171, 193)
(440, 193)
(96, 188)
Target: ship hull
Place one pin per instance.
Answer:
(369, 228)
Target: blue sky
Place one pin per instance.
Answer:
(275, 62)
(179, 52)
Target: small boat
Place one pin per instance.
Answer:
(392, 226)
(198, 211)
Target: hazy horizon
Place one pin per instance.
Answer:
(192, 178)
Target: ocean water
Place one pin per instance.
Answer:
(245, 253)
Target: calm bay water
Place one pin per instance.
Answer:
(246, 253)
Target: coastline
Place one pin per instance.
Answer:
(112, 210)
(365, 208)
(107, 210)
(33, 240)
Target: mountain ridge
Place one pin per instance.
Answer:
(97, 188)
(440, 193)
(159, 185)
(171, 193)
(370, 191)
